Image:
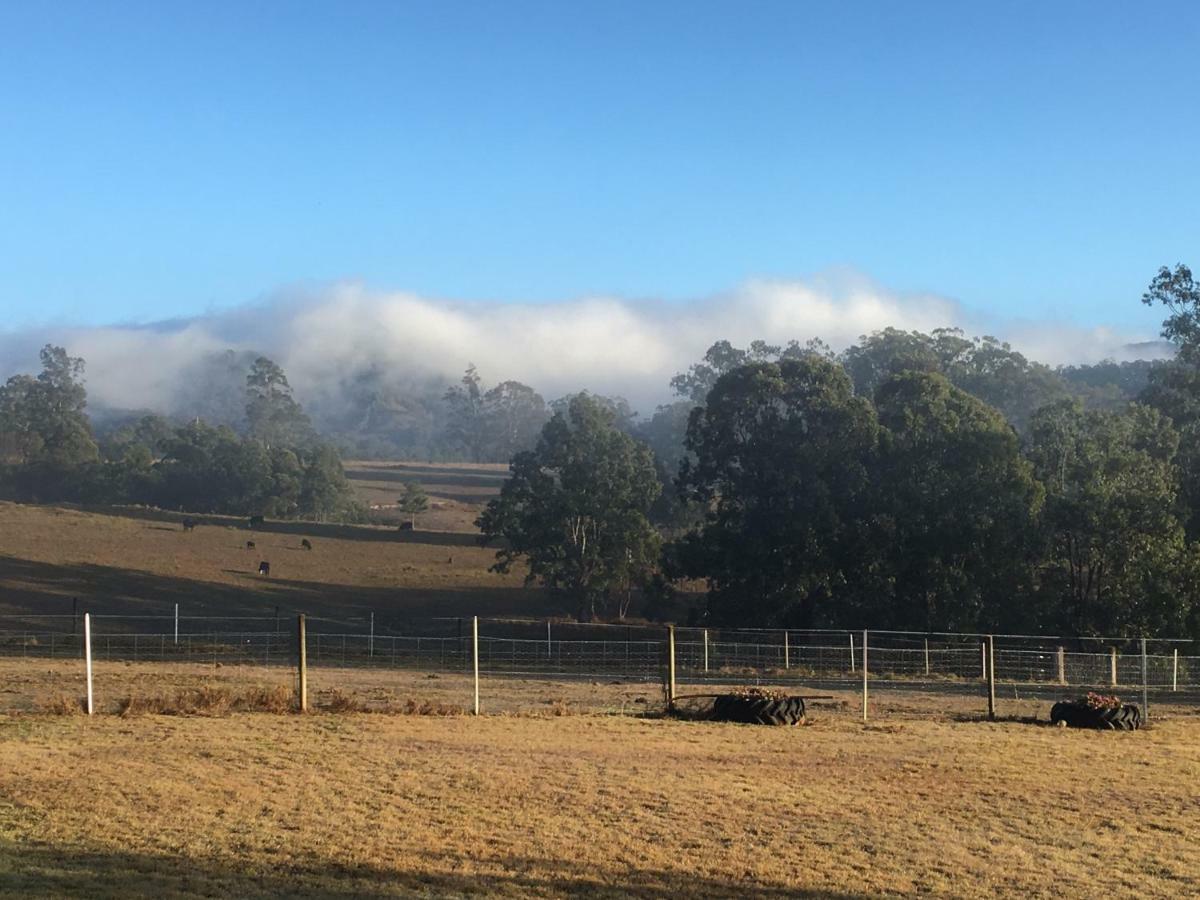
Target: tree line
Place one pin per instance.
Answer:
(915, 481)
(277, 467)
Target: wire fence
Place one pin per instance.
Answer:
(513, 653)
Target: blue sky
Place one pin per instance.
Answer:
(1033, 161)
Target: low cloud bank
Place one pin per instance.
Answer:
(326, 338)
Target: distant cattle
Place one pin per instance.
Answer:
(189, 524)
(255, 521)
(406, 526)
(264, 568)
(305, 544)
(450, 561)
(249, 545)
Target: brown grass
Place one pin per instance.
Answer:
(421, 806)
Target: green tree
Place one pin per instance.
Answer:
(467, 425)
(42, 418)
(513, 417)
(325, 493)
(272, 414)
(955, 510)
(1178, 291)
(781, 457)
(574, 508)
(413, 501)
(1118, 561)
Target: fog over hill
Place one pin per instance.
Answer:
(335, 339)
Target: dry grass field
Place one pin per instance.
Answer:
(372, 805)
(457, 492)
(549, 793)
(142, 562)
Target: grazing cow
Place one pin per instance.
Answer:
(305, 544)
(189, 524)
(450, 561)
(264, 568)
(249, 545)
(255, 521)
(406, 526)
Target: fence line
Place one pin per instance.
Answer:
(550, 650)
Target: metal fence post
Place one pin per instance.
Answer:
(864, 669)
(87, 659)
(670, 667)
(475, 657)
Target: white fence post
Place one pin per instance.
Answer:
(787, 659)
(1062, 665)
(670, 668)
(1113, 667)
(852, 652)
(705, 649)
(475, 658)
(1175, 671)
(926, 657)
(87, 659)
(864, 671)
(991, 668)
(549, 645)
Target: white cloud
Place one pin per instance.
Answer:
(604, 344)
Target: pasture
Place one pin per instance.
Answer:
(373, 805)
(547, 794)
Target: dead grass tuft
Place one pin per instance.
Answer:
(426, 708)
(62, 705)
(207, 700)
(336, 701)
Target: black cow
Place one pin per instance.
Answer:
(406, 526)
(255, 521)
(189, 524)
(306, 544)
(264, 568)
(249, 545)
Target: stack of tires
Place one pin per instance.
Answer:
(751, 709)
(1079, 714)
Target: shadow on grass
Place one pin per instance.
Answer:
(337, 530)
(30, 588)
(33, 870)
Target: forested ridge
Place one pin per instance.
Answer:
(912, 480)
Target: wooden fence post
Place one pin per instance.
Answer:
(1145, 686)
(475, 658)
(852, 653)
(864, 670)
(670, 667)
(706, 650)
(991, 670)
(787, 661)
(89, 705)
(926, 657)
(1113, 667)
(1062, 665)
(302, 663)
(983, 661)
(550, 645)
(371, 638)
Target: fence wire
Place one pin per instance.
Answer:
(549, 652)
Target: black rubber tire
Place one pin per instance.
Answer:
(758, 710)
(1126, 717)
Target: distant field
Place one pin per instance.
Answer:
(372, 806)
(141, 561)
(457, 491)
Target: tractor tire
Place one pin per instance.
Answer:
(1126, 717)
(758, 710)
